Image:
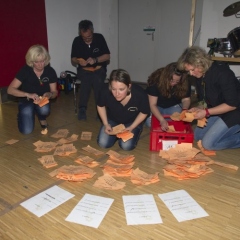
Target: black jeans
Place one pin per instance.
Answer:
(90, 80)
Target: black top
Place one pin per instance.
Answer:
(221, 86)
(31, 83)
(124, 114)
(165, 102)
(97, 48)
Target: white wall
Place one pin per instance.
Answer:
(63, 17)
(139, 53)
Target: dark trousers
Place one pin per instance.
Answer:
(90, 80)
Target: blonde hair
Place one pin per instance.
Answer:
(195, 56)
(37, 53)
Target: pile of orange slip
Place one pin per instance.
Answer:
(118, 165)
(182, 162)
(44, 146)
(117, 169)
(87, 161)
(73, 138)
(108, 182)
(65, 150)
(120, 158)
(125, 136)
(61, 133)
(92, 150)
(48, 161)
(73, 173)
(139, 177)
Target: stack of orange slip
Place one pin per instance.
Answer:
(186, 171)
(117, 169)
(182, 162)
(61, 133)
(139, 177)
(44, 146)
(48, 161)
(125, 136)
(120, 158)
(117, 129)
(87, 161)
(118, 165)
(108, 182)
(92, 150)
(73, 173)
(73, 138)
(65, 150)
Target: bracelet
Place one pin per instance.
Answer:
(207, 113)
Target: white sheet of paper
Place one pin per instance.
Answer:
(47, 200)
(167, 144)
(141, 209)
(90, 210)
(182, 205)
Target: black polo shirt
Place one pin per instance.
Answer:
(221, 86)
(124, 114)
(97, 48)
(32, 84)
(165, 102)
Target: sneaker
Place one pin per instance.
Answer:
(82, 114)
(44, 131)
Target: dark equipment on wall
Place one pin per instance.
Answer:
(232, 9)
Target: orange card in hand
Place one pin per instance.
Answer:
(125, 136)
(42, 101)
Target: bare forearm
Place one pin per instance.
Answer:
(186, 103)
(103, 58)
(16, 92)
(74, 61)
(140, 118)
(155, 111)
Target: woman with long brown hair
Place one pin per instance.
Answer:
(168, 91)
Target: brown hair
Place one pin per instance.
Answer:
(162, 78)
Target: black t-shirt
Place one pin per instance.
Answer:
(165, 102)
(221, 86)
(97, 48)
(31, 83)
(124, 114)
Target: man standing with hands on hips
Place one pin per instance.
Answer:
(90, 54)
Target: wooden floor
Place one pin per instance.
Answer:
(22, 176)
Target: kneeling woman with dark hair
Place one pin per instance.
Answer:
(122, 102)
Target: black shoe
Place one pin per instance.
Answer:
(82, 114)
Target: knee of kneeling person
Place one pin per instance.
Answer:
(126, 147)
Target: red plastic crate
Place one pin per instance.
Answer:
(157, 135)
